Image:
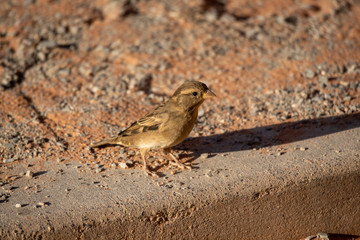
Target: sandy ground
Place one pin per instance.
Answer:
(75, 72)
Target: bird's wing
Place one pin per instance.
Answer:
(149, 122)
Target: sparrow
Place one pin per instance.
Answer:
(165, 126)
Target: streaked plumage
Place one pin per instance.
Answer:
(167, 125)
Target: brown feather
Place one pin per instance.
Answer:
(168, 124)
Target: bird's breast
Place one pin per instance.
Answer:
(181, 128)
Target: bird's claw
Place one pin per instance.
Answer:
(180, 165)
(150, 173)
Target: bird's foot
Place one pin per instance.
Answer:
(180, 165)
(150, 173)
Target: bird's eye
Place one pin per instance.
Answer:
(195, 93)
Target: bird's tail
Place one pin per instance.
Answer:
(112, 140)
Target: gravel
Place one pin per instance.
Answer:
(64, 87)
(316, 99)
(8, 160)
(73, 75)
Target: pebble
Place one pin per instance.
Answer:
(43, 204)
(47, 44)
(8, 188)
(209, 173)
(123, 165)
(8, 160)
(130, 163)
(85, 70)
(323, 79)
(29, 174)
(211, 15)
(204, 155)
(309, 73)
(18, 205)
(141, 81)
(41, 56)
(3, 197)
(303, 148)
(322, 236)
(201, 112)
(347, 98)
(131, 153)
(113, 10)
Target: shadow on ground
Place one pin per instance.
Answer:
(271, 135)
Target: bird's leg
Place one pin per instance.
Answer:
(176, 161)
(147, 171)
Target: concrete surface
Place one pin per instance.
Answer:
(309, 184)
(275, 155)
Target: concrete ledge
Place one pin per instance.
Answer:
(307, 181)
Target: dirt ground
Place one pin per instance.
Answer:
(76, 72)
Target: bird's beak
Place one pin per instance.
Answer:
(208, 94)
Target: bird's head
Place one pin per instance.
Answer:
(191, 94)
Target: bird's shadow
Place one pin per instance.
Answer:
(267, 136)
(264, 136)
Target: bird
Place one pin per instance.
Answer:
(165, 126)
